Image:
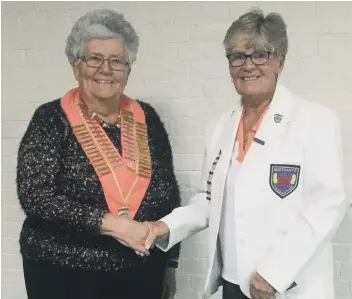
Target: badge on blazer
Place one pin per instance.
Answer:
(278, 118)
(284, 179)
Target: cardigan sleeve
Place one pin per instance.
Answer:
(38, 168)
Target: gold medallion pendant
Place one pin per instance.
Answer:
(124, 211)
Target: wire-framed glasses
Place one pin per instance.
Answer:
(115, 63)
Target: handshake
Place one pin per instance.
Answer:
(139, 236)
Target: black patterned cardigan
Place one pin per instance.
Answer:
(64, 202)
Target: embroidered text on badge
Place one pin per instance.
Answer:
(284, 179)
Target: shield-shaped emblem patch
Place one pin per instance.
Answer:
(284, 179)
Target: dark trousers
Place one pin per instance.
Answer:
(232, 291)
(54, 282)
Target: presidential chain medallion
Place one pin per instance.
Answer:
(128, 172)
(124, 211)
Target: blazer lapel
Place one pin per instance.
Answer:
(225, 144)
(228, 138)
(272, 128)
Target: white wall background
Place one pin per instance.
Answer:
(182, 71)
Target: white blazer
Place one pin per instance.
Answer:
(289, 199)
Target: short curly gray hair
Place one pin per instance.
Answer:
(255, 30)
(101, 24)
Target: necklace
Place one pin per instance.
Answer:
(94, 116)
(103, 123)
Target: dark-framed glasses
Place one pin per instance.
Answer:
(115, 63)
(257, 58)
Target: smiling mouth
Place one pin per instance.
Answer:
(251, 78)
(104, 81)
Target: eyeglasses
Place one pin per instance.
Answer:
(115, 63)
(239, 59)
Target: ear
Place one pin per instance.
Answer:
(281, 61)
(128, 73)
(76, 69)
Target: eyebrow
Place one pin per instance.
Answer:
(99, 54)
(244, 52)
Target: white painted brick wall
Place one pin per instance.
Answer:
(182, 71)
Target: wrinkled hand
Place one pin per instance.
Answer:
(169, 287)
(157, 229)
(128, 232)
(260, 288)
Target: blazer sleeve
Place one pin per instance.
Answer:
(165, 173)
(188, 220)
(38, 168)
(324, 210)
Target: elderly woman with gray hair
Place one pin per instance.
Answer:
(92, 166)
(272, 190)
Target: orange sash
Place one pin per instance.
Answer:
(125, 178)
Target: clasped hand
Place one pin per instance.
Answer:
(139, 236)
(260, 288)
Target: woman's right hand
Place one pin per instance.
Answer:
(130, 233)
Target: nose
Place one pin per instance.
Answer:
(248, 64)
(105, 67)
